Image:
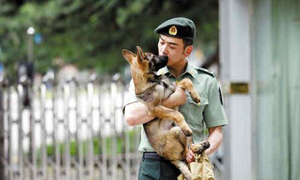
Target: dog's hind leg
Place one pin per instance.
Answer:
(162, 112)
(188, 85)
(183, 167)
(175, 142)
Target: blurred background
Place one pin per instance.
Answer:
(63, 81)
(90, 35)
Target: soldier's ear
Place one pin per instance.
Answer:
(188, 50)
(128, 55)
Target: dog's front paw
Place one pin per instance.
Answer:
(187, 131)
(197, 100)
(200, 147)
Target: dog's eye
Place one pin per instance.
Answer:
(152, 65)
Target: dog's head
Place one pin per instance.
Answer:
(146, 62)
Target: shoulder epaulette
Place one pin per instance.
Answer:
(205, 71)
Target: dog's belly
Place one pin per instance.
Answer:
(157, 132)
(156, 127)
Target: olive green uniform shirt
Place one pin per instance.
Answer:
(210, 113)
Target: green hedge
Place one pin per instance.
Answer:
(97, 143)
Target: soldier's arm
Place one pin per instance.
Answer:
(215, 139)
(136, 112)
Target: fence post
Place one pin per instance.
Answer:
(2, 139)
(32, 144)
(90, 146)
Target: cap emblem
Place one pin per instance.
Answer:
(173, 30)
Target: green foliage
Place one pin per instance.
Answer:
(97, 145)
(92, 33)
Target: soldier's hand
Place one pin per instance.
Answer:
(190, 156)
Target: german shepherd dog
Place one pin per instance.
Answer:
(168, 133)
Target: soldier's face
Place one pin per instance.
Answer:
(173, 48)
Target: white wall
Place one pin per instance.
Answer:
(236, 67)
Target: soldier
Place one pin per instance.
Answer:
(176, 38)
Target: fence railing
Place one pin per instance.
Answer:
(66, 132)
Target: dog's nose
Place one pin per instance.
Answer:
(164, 58)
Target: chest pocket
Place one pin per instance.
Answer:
(196, 110)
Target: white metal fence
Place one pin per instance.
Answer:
(66, 132)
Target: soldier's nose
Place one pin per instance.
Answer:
(164, 50)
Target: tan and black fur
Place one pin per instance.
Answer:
(168, 133)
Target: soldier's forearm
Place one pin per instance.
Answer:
(169, 103)
(136, 114)
(215, 139)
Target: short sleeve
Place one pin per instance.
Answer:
(214, 113)
(130, 96)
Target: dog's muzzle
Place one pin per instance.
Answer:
(158, 62)
(163, 59)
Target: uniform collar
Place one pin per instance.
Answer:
(189, 70)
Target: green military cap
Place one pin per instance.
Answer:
(179, 27)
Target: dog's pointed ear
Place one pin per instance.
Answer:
(140, 54)
(128, 55)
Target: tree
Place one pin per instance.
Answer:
(92, 33)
